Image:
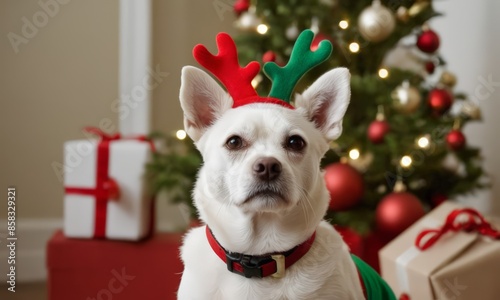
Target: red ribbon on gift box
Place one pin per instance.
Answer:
(475, 223)
(106, 189)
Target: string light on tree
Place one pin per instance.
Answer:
(262, 28)
(383, 73)
(354, 47)
(424, 142)
(180, 134)
(354, 154)
(405, 161)
(343, 24)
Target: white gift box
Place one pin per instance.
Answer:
(129, 216)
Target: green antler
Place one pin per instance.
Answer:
(301, 60)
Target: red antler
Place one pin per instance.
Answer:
(226, 68)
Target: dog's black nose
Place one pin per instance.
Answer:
(267, 168)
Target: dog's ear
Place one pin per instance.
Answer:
(202, 100)
(326, 101)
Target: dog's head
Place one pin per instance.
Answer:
(262, 157)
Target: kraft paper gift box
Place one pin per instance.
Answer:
(459, 265)
(105, 193)
(120, 270)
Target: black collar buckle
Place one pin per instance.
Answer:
(251, 265)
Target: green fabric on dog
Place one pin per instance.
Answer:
(376, 287)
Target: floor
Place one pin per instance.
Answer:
(27, 291)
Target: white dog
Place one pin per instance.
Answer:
(261, 193)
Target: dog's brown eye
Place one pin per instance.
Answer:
(235, 143)
(295, 143)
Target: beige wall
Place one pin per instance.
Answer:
(65, 78)
(178, 26)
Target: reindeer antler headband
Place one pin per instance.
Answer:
(237, 80)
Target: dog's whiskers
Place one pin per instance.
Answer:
(305, 197)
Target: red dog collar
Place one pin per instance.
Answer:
(259, 266)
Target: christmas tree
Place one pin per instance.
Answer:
(400, 132)
(402, 150)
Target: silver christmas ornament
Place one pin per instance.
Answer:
(248, 20)
(292, 32)
(376, 22)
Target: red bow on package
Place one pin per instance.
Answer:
(474, 222)
(106, 188)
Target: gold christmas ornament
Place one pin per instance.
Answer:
(471, 110)
(406, 98)
(402, 14)
(376, 22)
(361, 162)
(448, 79)
(418, 7)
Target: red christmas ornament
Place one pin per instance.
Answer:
(455, 139)
(374, 242)
(397, 211)
(352, 239)
(437, 199)
(377, 131)
(345, 185)
(430, 67)
(440, 100)
(317, 39)
(428, 41)
(241, 6)
(269, 56)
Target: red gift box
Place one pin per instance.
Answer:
(103, 269)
